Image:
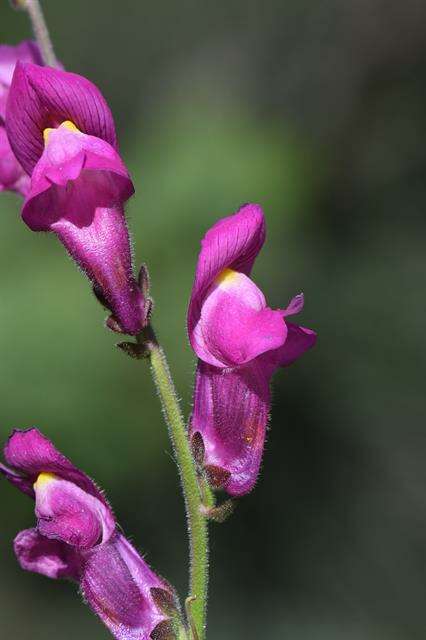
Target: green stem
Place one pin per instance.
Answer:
(197, 523)
(41, 32)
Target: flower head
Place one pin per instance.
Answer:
(240, 342)
(12, 175)
(62, 132)
(76, 537)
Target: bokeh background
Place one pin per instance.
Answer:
(316, 110)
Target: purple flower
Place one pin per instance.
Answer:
(240, 342)
(62, 132)
(76, 537)
(12, 175)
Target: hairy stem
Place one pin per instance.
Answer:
(41, 32)
(197, 522)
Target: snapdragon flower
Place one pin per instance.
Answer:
(77, 537)
(240, 342)
(62, 132)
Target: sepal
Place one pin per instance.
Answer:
(221, 512)
(134, 350)
(144, 280)
(166, 600)
(198, 449)
(165, 630)
(217, 476)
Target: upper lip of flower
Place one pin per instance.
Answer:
(42, 97)
(28, 453)
(232, 243)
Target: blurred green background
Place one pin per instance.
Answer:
(316, 110)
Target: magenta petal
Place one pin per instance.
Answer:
(12, 176)
(299, 340)
(67, 513)
(42, 97)
(116, 584)
(51, 558)
(4, 92)
(31, 453)
(20, 482)
(295, 305)
(231, 412)
(75, 174)
(235, 324)
(26, 51)
(235, 334)
(232, 243)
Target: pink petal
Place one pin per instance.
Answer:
(51, 558)
(12, 175)
(25, 51)
(295, 305)
(235, 324)
(73, 157)
(23, 483)
(67, 513)
(299, 340)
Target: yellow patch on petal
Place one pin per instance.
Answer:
(43, 479)
(67, 124)
(226, 278)
(46, 134)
